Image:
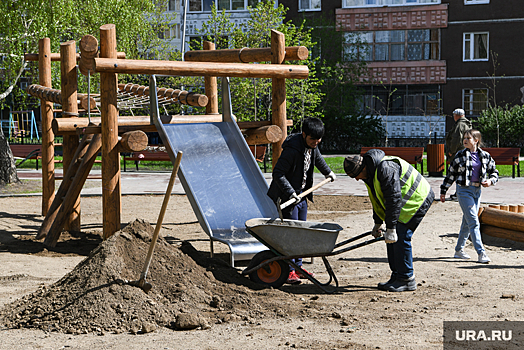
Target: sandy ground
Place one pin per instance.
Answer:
(358, 317)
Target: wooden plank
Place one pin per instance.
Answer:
(503, 219)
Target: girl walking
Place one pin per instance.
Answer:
(471, 168)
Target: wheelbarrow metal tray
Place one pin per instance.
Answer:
(294, 237)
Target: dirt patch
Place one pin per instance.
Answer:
(22, 187)
(189, 291)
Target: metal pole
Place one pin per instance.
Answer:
(183, 43)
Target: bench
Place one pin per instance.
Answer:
(412, 155)
(25, 152)
(506, 156)
(154, 156)
(259, 152)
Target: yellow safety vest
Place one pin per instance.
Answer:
(414, 189)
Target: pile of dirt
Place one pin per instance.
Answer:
(189, 291)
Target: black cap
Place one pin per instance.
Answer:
(353, 165)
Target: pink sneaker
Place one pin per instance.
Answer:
(293, 278)
(302, 276)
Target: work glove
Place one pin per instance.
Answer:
(391, 235)
(378, 230)
(296, 197)
(331, 176)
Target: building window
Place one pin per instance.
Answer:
(173, 5)
(474, 101)
(173, 32)
(475, 2)
(228, 5)
(476, 46)
(393, 45)
(372, 3)
(309, 5)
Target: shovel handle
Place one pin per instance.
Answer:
(305, 193)
(161, 216)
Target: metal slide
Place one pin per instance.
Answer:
(220, 177)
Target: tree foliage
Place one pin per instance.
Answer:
(251, 98)
(23, 23)
(502, 126)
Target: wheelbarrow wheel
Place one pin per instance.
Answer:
(274, 274)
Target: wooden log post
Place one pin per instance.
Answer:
(133, 141)
(521, 208)
(111, 190)
(263, 135)
(69, 85)
(48, 137)
(88, 51)
(278, 94)
(210, 86)
(499, 232)
(494, 206)
(504, 207)
(514, 208)
(503, 219)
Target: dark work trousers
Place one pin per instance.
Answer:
(299, 212)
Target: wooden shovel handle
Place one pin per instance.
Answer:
(161, 215)
(305, 193)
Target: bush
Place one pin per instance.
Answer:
(510, 130)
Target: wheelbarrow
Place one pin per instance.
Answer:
(291, 239)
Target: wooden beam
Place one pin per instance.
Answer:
(48, 137)
(175, 95)
(503, 219)
(246, 55)
(133, 141)
(64, 126)
(499, 232)
(240, 70)
(111, 191)
(55, 57)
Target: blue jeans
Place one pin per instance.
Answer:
(299, 212)
(400, 255)
(469, 200)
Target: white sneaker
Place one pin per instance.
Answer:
(483, 258)
(461, 254)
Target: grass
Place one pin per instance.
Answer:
(335, 163)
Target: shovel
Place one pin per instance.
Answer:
(301, 195)
(141, 283)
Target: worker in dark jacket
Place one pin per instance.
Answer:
(400, 197)
(455, 137)
(293, 174)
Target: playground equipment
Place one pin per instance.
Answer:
(22, 124)
(107, 63)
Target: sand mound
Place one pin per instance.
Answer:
(189, 291)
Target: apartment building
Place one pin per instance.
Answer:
(484, 55)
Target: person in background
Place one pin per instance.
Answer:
(455, 136)
(401, 197)
(293, 174)
(473, 169)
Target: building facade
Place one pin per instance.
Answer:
(483, 55)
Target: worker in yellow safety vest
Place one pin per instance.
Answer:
(400, 197)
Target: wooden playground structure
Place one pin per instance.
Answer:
(111, 134)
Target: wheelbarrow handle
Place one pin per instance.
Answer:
(305, 193)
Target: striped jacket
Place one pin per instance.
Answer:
(460, 169)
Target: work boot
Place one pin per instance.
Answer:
(403, 285)
(293, 278)
(385, 285)
(302, 276)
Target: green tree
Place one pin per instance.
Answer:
(23, 23)
(251, 98)
(507, 118)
